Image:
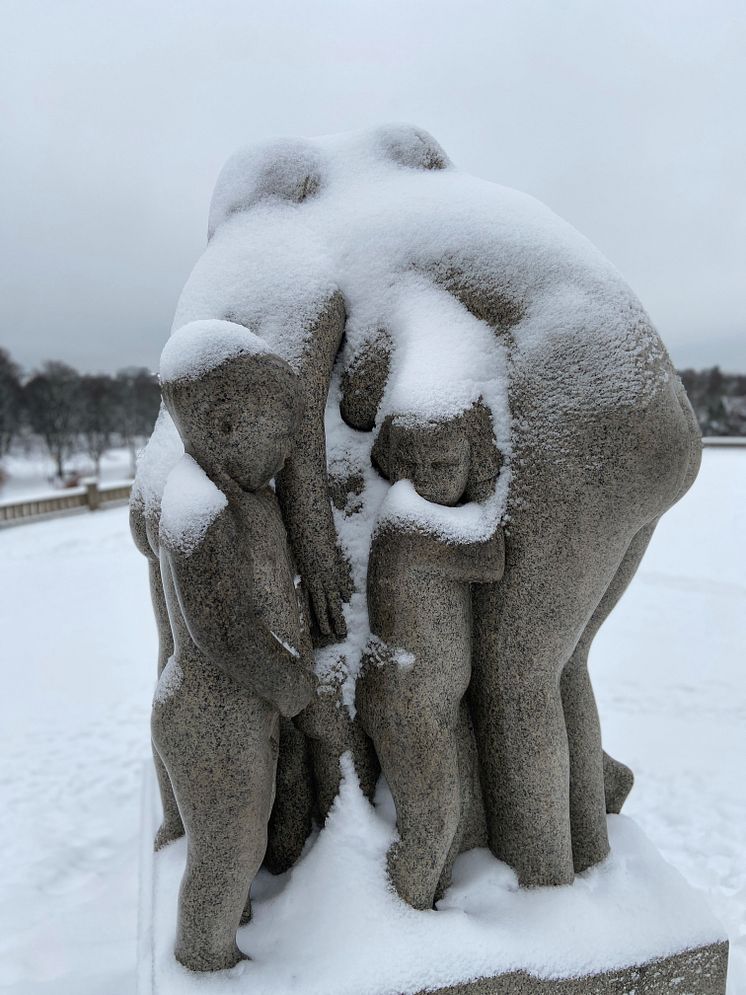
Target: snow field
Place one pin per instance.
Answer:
(29, 476)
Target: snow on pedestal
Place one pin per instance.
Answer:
(333, 926)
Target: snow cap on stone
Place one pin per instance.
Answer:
(282, 169)
(190, 504)
(162, 452)
(201, 346)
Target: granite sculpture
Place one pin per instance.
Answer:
(416, 670)
(241, 655)
(491, 430)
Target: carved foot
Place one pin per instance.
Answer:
(167, 833)
(618, 781)
(406, 872)
(209, 960)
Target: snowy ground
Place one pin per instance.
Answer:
(74, 615)
(31, 475)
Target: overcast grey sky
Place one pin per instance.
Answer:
(627, 118)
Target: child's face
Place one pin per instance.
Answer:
(242, 425)
(435, 458)
(253, 440)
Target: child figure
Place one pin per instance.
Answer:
(241, 654)
(410, 694)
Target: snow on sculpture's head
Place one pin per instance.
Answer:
(409, 146)
(284, 170)
(294, 170)
(447, 460)
(235, 403)
(467, 280)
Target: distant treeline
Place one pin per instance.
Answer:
(719, 400)
(72, 412)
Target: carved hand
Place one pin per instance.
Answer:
(327, 577)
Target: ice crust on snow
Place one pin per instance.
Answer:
(190, 504)
(201, 346)
(335, 922)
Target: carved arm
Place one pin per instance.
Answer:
(231, 632)
(302, 486)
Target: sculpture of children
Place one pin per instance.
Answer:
(241, 655)
(410, 694)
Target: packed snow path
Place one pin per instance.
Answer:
(78, 653)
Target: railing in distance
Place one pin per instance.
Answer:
(90, 496)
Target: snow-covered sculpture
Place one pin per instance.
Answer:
(411, 688)
(477, 380)
(416, 671)
(241, 654)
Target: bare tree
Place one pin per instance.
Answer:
(97, 415)
(52, 406)
(11, 404)
(138, 401)
(719, 400)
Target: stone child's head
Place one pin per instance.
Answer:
(235, 403)
(434, 456)
(447, 460)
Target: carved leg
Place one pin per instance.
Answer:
(525, 631)
(224, 854)
(290, 822)
(413, 725)
(172, 827)
(590, 841)
(211, 901)
(472, 830)
(327, 772)
(423, 774)
(331, 733)
(595, 779)
(220, 746)
(528, 810)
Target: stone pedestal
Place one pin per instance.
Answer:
(332, 926)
